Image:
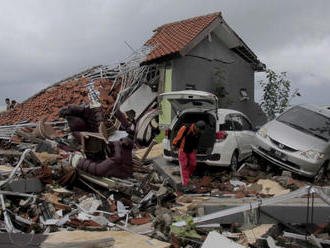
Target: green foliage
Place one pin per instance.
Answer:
(189, 230)
(276, 93)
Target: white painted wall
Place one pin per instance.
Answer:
(139, 100)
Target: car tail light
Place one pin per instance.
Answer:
(220, 136)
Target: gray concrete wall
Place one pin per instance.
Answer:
(210, 64)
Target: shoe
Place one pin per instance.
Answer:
(185, 189)
(189, 189)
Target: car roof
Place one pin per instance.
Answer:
(322, 109)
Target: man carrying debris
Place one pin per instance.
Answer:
(91, 119)
(186, 141)
(83, 119)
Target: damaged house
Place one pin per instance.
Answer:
(204, 53)
(53, 193)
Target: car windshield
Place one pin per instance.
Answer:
(307, 121)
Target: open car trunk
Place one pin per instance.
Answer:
(207, 139)
(190, 106)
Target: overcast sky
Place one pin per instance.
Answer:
(42, 42)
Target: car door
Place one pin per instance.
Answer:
(227, 126)
(244, 134)
(248, 135)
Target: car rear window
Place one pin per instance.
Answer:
(307, 121)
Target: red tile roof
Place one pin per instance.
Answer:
(49, 101)
(171, 38)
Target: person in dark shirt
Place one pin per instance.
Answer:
(7, 104)
(13, 104)
(187, 140)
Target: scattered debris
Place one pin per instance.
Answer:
(252, 235)
(215, 239)
(270, 187)
(42, 192)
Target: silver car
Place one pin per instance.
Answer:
(298, 140)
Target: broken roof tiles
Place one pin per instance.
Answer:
(171, 38)
(48, 102)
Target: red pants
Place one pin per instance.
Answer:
(187, 166)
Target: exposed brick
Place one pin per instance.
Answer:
(139, 221)
(239, 195)
(48, 102)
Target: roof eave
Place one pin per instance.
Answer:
(161, 59)
(258, 66)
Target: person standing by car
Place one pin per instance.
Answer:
(186, 141)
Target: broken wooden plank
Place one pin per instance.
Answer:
(118, 239)
(16, 194)
(125, 239)
(31, 156)
(252, 235)
(10, 153)
(108, 183)
(152, 151)
(77, 239)
(43, 157)
(29, 137)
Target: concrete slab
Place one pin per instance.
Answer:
(31, 185)
(289, 211)
(166, 169)
(215, 240)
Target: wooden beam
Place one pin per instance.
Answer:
(30, 137)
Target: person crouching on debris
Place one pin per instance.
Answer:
(117, 164)
(13, 104)
(7, 104)
(187, 140)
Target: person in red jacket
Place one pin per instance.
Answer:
(187, 140)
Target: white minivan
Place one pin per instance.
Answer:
(228, 136)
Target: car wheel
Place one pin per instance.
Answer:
(234, 161)
(321, 174)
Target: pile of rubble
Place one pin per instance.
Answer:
(48, 200)
(42, 195)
